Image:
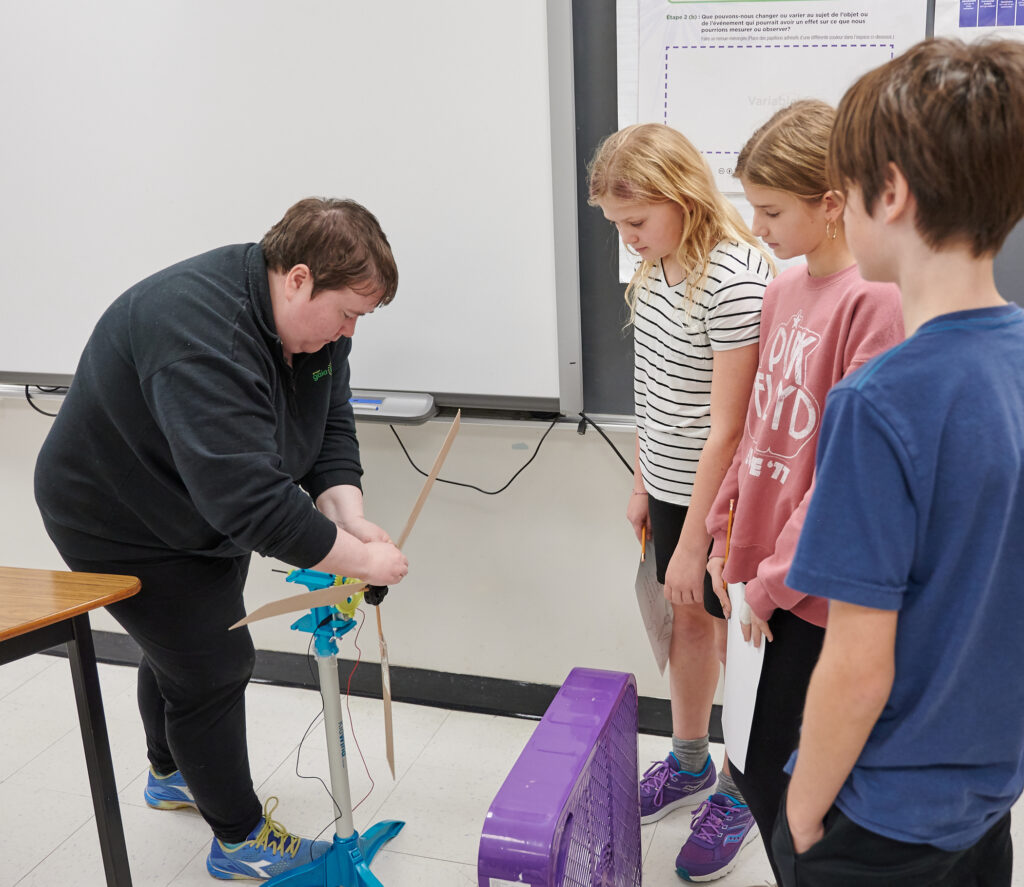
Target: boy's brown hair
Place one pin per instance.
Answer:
(342, 243)
(950, 116)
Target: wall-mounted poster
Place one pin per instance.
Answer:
(717, 70)
(977, 19)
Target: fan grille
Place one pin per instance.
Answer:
(568, 814)
(604, 850)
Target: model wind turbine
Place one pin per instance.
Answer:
(341, 591)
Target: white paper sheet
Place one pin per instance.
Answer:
(655, 610)
(742, 675)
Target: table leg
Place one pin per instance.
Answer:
(82, 656)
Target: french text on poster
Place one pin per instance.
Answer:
(717, 71)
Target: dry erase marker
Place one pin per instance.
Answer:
(366, 404)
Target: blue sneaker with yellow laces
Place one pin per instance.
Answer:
(167, 792)
(268, 851)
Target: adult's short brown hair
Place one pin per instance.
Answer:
(950, 116)
(340, 241)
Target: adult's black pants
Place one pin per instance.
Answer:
(192, 678)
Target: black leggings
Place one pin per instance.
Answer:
(192, 678)
(778, 711)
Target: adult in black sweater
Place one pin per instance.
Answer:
(209, 412)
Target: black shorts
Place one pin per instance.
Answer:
(852, 856)
(666, 525)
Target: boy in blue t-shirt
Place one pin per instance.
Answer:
(912, 748)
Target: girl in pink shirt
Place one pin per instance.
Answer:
(819, 322)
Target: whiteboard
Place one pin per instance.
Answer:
(138, 134)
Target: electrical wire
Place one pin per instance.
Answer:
(317, 719)
(45, 389)
(584, 419)
(456, 483)
(348, 708)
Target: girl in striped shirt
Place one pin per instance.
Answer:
(695, 304)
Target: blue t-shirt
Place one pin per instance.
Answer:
(919, 507)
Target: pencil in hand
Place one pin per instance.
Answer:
(643, 543)
(728, 539)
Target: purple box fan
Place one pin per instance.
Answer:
(568, 814)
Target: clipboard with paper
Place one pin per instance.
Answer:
(655, 611)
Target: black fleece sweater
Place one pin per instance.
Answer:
(185, 430)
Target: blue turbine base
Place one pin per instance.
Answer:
(347, 863)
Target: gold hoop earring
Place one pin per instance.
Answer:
(831, 232)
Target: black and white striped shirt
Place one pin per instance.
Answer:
(673, 347)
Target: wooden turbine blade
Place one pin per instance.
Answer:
(326, 597)
(385, 669)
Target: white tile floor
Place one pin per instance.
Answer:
(449, 765)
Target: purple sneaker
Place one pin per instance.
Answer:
(722, 827)
(665, 787)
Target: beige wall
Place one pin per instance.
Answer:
(525, 585)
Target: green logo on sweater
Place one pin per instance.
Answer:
(319, 374)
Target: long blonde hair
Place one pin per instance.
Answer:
(653, 163)
(790, 151)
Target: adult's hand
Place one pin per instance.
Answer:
(343, 504)
(364, 530)
(385, 564)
